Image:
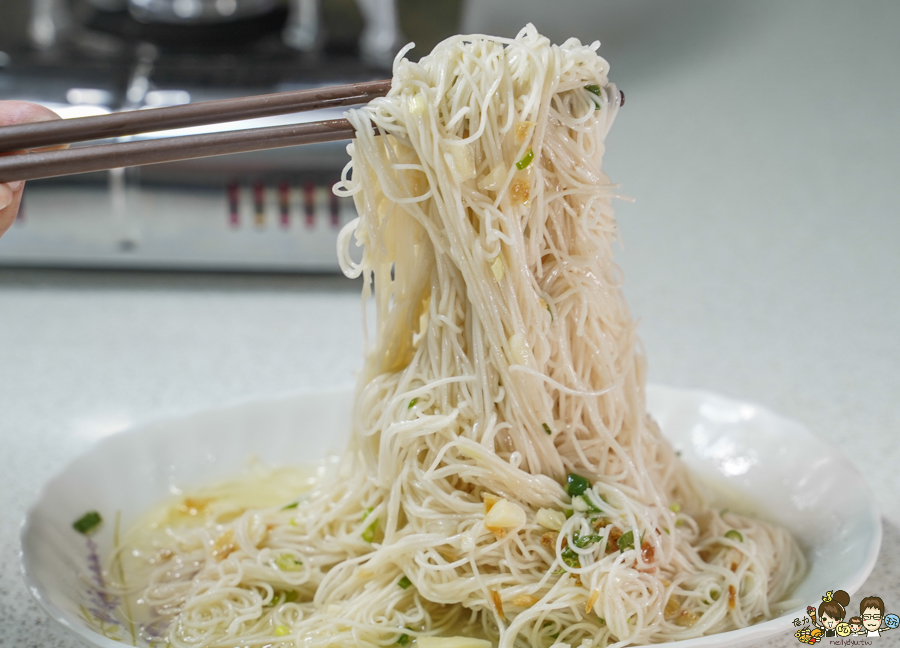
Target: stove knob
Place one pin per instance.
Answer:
(284, 203)
(234, 204)
(259, 203)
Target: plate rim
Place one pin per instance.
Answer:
(733, 638)
(744, 636)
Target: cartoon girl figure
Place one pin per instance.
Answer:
(832, 611)
(856, 625)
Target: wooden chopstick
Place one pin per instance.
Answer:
(30, 166)
(66, 131)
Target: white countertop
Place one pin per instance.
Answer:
(762, 144)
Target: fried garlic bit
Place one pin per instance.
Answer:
(504, 516)
(525, 600)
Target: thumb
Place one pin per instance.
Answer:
(10, 199)
(17, 112)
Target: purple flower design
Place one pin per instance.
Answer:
(155, 633)
(103, 603)
(103, 611)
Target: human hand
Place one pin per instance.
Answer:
(17, 112)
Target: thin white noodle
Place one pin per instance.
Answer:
(559, 385)
(494, 288)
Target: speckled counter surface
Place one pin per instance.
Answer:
(762, 256)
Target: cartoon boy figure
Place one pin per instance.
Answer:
(856, 626)
(871, 609)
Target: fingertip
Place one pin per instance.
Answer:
(24, 112)
(9, 207)
(6, 196)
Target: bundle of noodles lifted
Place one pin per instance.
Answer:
(505, 484)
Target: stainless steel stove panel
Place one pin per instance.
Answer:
(256, 225)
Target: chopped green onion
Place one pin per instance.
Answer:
(547, 429)
(368, 533)
(282, 631)
(585, 541)
(594, 89)
(87, 522)
(576, 484)
(290, 506)
(525, 161)
(734, 534)
(679, 522)
(568, 513)
(570, 557)
(675, 507)
(283, 597)
(714, 595)
(601, 620)
(287, 563)
(626, 541)
(403, 640)
(412, 403)
(404, 582)
(591, 506)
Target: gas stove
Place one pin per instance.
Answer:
(267, 211)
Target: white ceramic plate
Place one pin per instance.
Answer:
(771, 465)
